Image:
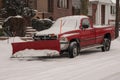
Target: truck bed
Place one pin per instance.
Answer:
(101, 26)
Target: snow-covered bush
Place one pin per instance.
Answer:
(16, 7)
(14, 26)
(41, 24)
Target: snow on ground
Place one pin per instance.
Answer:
(11, 40)
(35, 53)
(90, 65)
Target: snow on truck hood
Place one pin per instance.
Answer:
(66, 24)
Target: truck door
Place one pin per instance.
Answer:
(87, 33)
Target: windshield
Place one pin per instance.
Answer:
(69, 23)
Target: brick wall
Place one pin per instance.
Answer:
(0, 4)
(61, 12)
(42, 7)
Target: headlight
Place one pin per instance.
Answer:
(64, 43)
(63, 39)
(51, 35)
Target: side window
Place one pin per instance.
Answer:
(86, 23)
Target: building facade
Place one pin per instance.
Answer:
(52, 8)
(55, 8)
(102, 11)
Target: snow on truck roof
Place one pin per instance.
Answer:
(67, 23)
(78, 17)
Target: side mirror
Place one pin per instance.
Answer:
(85, 26)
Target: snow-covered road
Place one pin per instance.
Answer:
(90, 65)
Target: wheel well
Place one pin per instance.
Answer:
(75, 40)
(108, 36)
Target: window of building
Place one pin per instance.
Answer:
(63, 3)
(113, 10)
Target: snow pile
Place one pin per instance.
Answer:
(12, 40)
(5, 52)
(18, 16)
(36, 53)
(8, 18)
(0, 26)
(28, 52)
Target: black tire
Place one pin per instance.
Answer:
(106, 45)
(73, 50)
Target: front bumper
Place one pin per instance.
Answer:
(64, 45)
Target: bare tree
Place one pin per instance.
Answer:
(117, 19)
(84, 7)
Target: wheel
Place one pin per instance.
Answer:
(73, 50)
(106, 45)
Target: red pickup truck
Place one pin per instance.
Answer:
(78, 32)
(72, 34)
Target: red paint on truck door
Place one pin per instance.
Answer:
(87, 34)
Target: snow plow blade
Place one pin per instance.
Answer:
(37, 45)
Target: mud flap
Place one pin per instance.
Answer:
(37, 45)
